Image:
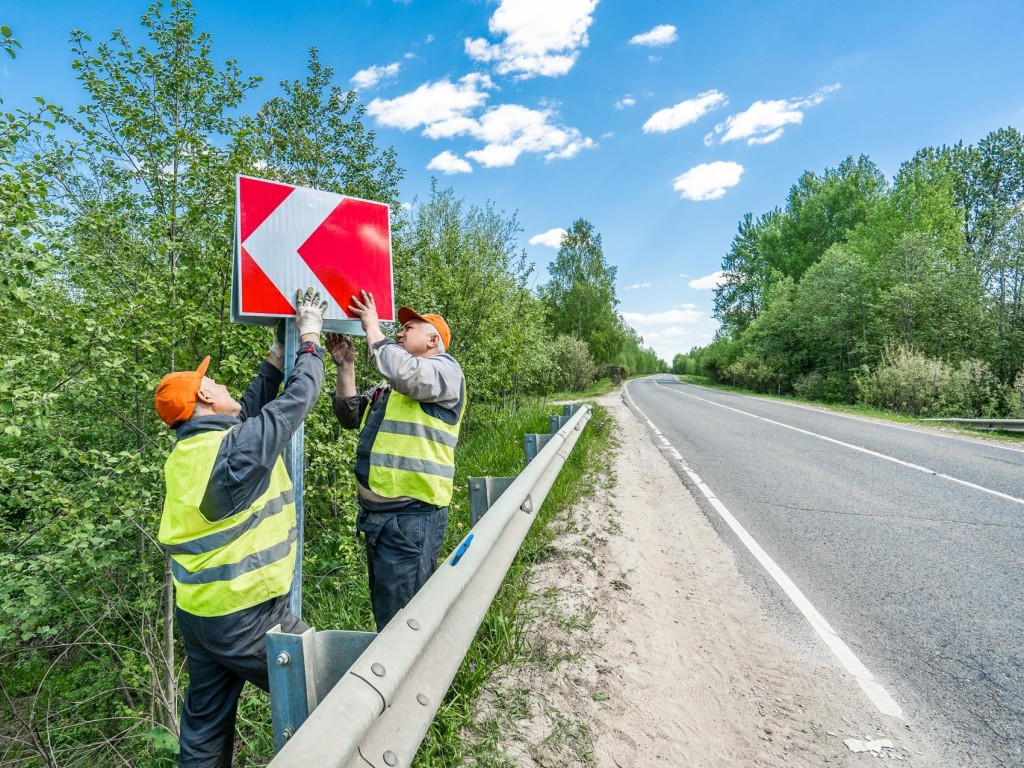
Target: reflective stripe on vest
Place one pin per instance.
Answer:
(224, 566)
(413, 453)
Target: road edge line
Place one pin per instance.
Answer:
(874, 690)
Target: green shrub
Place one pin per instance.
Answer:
(1015, 402)
(572, 366)
(753, 372)
(909, 382)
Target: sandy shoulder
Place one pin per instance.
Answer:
(647, 647)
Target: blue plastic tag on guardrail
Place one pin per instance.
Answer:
(462, 549)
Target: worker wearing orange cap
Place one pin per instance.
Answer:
(229, 525)
(405, 457)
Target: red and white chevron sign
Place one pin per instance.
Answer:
(288, 237)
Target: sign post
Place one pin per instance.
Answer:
(288, 238)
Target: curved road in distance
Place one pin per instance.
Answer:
(909, 542)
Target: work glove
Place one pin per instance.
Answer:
(277, 348)
(342, 350)
(309, 316)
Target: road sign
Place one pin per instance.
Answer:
(289, 237)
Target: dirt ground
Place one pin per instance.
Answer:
(646, 647)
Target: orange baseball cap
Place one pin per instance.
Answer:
(175, 397)
(405, 315)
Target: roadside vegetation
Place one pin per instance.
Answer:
(115, 229)
(904, 295)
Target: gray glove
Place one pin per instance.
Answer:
(309, 316)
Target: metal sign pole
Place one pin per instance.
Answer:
(294, 459)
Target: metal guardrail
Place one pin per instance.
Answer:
(1004, 425)
(380, 708)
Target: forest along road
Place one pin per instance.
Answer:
(909, 542)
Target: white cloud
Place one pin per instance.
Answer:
(446, 110)
(625, 101)
(541, 37)
(685, 313)
(449, 163)
(685, 112)
(634, 286)
(663, 34)
(708, 282)
(369, 77)
(510, 130)
(764, 121)
(708, 181)
(552, 238)
(432, 103)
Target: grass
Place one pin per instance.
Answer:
(597, 389)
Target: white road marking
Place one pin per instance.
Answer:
(879, 422)
(874, 690)
(852, 447)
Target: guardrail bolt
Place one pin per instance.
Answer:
(390, 758)
(413, 624)
(283, 659)
(288, 732)
(423, 699)
(527, 505)
(377, 669)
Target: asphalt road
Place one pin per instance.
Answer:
(908, 541)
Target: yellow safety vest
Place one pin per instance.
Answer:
(413, 453)
(231, 564)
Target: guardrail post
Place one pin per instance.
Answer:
(303, 669)
(483, 491)
(534, 443)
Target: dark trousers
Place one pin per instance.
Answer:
(223, 653)
(402, 548)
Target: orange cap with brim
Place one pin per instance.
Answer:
(405, 315)
(175, 397)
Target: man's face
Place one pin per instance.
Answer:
(216, 397)
(416, 337)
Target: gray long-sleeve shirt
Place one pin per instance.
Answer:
(437, 379)
(437, 382)
(258, 435)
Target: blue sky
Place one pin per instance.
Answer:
(662, 123)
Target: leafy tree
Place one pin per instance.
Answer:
(580, 296)
(7, 41)
(990, 186)
(143, 198)
(635, 357)
(992, 198)
(314, 136)
(464, 263)
(751, 266)
(833, 325)
(822, 210)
